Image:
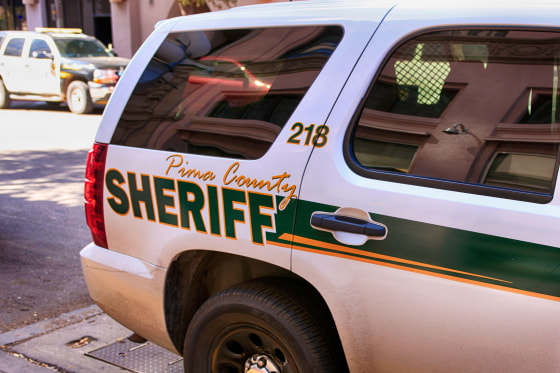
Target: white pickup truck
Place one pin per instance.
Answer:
(57, 65)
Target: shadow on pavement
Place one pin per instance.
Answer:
(48, 106)
(42, 230)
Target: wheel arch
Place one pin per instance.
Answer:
(195, 276)
(65, 83)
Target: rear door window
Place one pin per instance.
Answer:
(471, 110)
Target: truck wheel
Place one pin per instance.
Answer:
(5, 100)
(78, 98)
(257, 327)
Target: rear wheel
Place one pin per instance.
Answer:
(78, 98)
(258, 327)
(5, 100)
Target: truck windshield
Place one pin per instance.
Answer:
(73, 47)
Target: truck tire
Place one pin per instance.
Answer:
(258, 326)
(78, 98)
(5, 100)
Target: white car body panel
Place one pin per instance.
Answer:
(391, 314)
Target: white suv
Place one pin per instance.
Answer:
(336, 186)
(57, 65)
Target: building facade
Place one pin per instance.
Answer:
(12, 15)
(124, 24)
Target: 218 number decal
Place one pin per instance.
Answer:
(314, 135)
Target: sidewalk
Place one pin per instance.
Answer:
(61, 344)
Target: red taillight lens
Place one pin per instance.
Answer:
(93, 193)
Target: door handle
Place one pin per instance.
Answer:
(347, 224)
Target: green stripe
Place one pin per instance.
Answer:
(521, 265)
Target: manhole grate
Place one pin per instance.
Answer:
(139, 357)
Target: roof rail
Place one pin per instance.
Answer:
(58, 30)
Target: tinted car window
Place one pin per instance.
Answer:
(39, 46)
(224, 93)
(475, 107)
(14, 47)
(81, 47)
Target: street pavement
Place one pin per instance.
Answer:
(47, 320)
(82, 341)
(43, 152)
(60, 344)
(44, 129)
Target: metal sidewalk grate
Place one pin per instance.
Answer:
(139, 357)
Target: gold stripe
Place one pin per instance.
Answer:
(307, 241)
(429, 273)
(316, 243)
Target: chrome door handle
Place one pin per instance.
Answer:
(347, 224)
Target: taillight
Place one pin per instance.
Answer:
(93, 193)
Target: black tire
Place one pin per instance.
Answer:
(256, 320)
(78, 98)
(5, 100)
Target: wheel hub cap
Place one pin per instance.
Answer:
(261, 364)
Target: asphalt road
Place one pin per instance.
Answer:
(43, 151)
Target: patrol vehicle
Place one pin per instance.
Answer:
(57, 65)
(356, 186)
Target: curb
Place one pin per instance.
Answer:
(47, 326)
(61, 344)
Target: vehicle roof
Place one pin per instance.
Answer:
(286, 11)
(334, 11)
